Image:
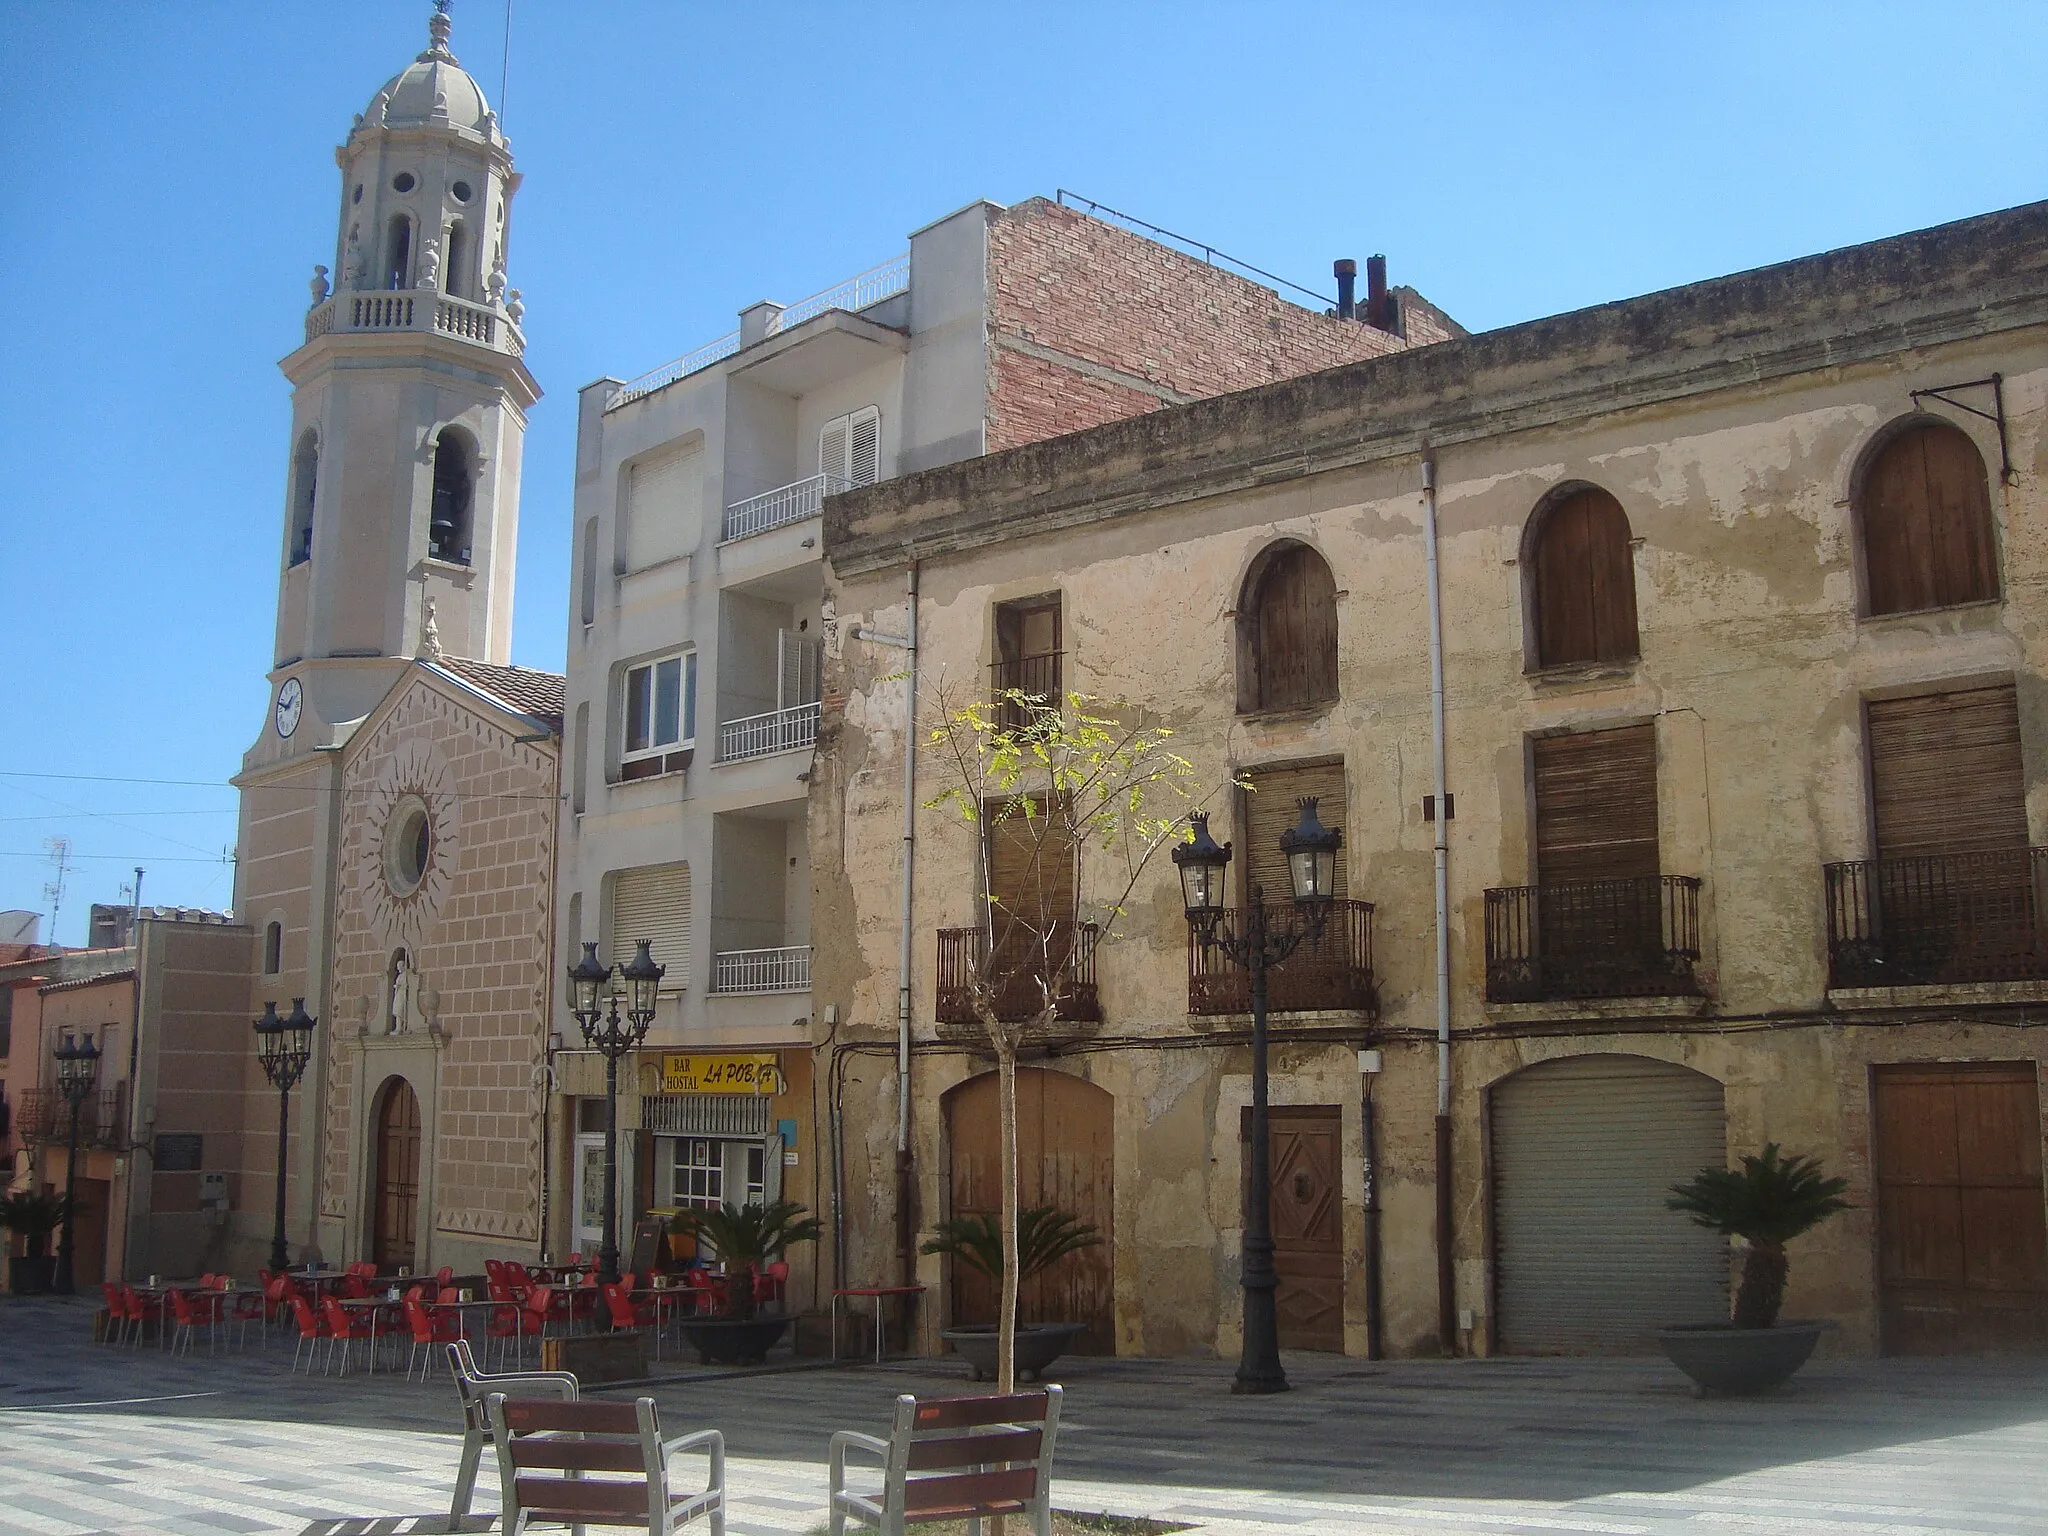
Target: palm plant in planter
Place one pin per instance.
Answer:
(1767, 1202)
(745, 1239)
(1045, 1235)
(33, 1216)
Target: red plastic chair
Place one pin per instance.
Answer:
(627, 1313)
(355, 1285)
(429, 1328)
(141, 1310)
(117, 1311)
(448, 1293)
(345, 1327)
(278, 1292)
(771, 1282)
(509, 1321)
(241, 1309)
(193, 1310)
(545, 1305)
(444, 1276)
(312, 1328)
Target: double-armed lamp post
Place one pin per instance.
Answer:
(78, 1066)
(1311, 850)
(284, 1045)
(613, 1038)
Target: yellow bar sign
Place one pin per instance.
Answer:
(720, 1074)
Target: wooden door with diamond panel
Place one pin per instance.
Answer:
(1308, 1222)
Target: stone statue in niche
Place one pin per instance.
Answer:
(430, 264)
(352, 261)
(319, 286)
(399, 1016)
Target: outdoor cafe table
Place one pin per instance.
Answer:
(382, 1310)
(880, 1293)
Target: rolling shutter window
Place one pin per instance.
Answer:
(1596, 805)
(662, 506)
(1271, 808)
(1585, 583)
(653, 903)
(1587, 1257)
(1946, 774)
(1030, 869)
(1925, 509)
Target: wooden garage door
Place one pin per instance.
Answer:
(1962, 1247)
(1064, 1158)
(1587, 1258)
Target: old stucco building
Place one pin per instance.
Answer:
(396, 849)
(1745, 739)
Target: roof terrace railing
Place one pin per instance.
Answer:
(855, 294)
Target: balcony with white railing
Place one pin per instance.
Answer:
(417, 309)
(784, 969)
(780, 730)
(785, 504)
(854, 295)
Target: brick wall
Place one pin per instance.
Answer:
(1089, 323)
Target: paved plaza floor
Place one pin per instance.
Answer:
(98, 1439)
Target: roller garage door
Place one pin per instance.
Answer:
(1587, 1259)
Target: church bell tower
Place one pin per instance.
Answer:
(408, 410)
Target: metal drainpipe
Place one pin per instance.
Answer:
(134, 1136)
(906, 1247)
(1446, 1273)
(1375, 1302)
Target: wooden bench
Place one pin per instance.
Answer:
(980, 1456)
(474, 1387)
(547, 1450)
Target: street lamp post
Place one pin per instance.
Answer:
(1311, 850)
(285, 1045)
(78, 1065)
(613, 1038)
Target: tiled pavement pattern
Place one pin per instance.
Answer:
(99, 1440)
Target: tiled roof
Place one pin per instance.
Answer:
(539, 694)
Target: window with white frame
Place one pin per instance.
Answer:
(850, 447)
(659, 706)
(699, 1173)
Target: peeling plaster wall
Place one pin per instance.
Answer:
(1753, 664)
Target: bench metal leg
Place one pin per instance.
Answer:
(465, 1477)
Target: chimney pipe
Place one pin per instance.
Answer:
(1347, 287)
(1377, 311)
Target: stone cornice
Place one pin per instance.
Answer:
(1960, 282)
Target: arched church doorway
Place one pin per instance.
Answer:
(1064, 1158)
(395, 1174)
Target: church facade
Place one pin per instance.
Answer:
(398, 806)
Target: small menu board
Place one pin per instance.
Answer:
(650, 1246)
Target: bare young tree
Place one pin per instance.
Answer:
(1065, 801)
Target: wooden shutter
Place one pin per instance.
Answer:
(1295, 632)
(1585, 583)
(796, 669)
(1596, 805)
(1271, 808)
(1030, 868)
(1946, 774)
(653, 903)
(662, 496)
(1925, 511)
(864, 448)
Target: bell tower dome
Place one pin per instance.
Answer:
(408, 404)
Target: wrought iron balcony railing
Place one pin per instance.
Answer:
(1332, 974)
(780, 730)
(783, 969)
(43, 1116)
(1633, 937)
(1937, 920)
(1036, 677)
(1067, 954)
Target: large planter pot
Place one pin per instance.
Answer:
(32, 1275)
(1737, 1361)
(734, 1340)
(1038, 1345)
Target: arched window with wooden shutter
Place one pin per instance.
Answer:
(1923, 506)
(1287, 631)
(1583, 582)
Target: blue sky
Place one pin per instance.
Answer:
(167, 182)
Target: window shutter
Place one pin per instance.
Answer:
(1296, 631)
(832, 449)
(1272, 807)
(662, 505)
(1925, 511)
(1030, 868)
(1585, 585)
(1596, 805)
(1946, 774)
(653, 903)
(796, 668)
(864, 452)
